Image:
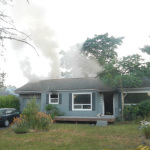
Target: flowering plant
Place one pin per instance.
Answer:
(145, 126)
(43, 120)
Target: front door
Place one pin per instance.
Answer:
(108, 103)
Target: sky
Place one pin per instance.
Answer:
(61, 25)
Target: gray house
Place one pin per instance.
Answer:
(81, 99)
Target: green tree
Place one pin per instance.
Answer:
(30, 112)
(125, 73)
(146, 49)
(102, 47)
(2, 79)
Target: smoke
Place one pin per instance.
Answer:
(11, 90)
(27, 70)
(31, 19)
(78, 65)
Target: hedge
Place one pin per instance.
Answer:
(141, 110)
(9, 101)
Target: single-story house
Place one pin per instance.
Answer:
(81, 99)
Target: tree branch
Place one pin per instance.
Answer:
(19, 40)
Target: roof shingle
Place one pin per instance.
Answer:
(64, 84)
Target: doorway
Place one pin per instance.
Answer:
(108, 103)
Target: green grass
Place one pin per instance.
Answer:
(75, 137)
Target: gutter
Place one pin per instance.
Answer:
(26, 92)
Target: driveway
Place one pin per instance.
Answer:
(3, 128)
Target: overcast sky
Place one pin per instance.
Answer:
(61, 24)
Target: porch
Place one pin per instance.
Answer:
(109, 119)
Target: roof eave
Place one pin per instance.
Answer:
(98, 90)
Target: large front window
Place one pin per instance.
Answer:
(82, 101)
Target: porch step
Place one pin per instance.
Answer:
(101, 123)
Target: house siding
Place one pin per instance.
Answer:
(23, 99)
(21, 103)
(64, 106)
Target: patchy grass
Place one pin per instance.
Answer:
(75, 137)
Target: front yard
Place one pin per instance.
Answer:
(75, 137)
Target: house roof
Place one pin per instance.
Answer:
(64, 84)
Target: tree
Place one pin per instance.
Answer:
(102, 47)
(146, 49)
(2, 79)
(125, 73)
(8, 29)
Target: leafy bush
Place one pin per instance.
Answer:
(131, 112)
(31, 118)
(134, 112)
(9, 101)
(43, 121)
(20, 125)
(30, 111)
(144, 108)
(53, 110)
(20, 122)
(20, 130)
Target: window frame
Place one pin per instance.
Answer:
(53, 98)
(86, 93)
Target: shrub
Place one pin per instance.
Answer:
(146, 129)
(20, 125)
(53, 110)
(30, 111)
(31, 118)
(134, 112)
(20, 122)
(43, 121)
(131, 112)
(20, 130)
(144, 108)
(9, 101)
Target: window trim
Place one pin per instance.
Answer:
(52, 98)
(86, 93)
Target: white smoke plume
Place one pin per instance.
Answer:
(30, 19)
(78, 65)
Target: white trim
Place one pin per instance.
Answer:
(87, 93)
(136, 91)
(129, 104)
(51, 98)
(114, 96)
(103, 105)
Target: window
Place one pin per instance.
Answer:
(54, 99)
(82, 101)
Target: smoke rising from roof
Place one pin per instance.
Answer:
(47, 65)
(31, 20)
(79, 65)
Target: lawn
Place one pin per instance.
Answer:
(75, 137)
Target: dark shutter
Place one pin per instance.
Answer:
(47, 98)
(93, 101)
(70, 101)
(60, 98)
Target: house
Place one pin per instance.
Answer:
(81, 99)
